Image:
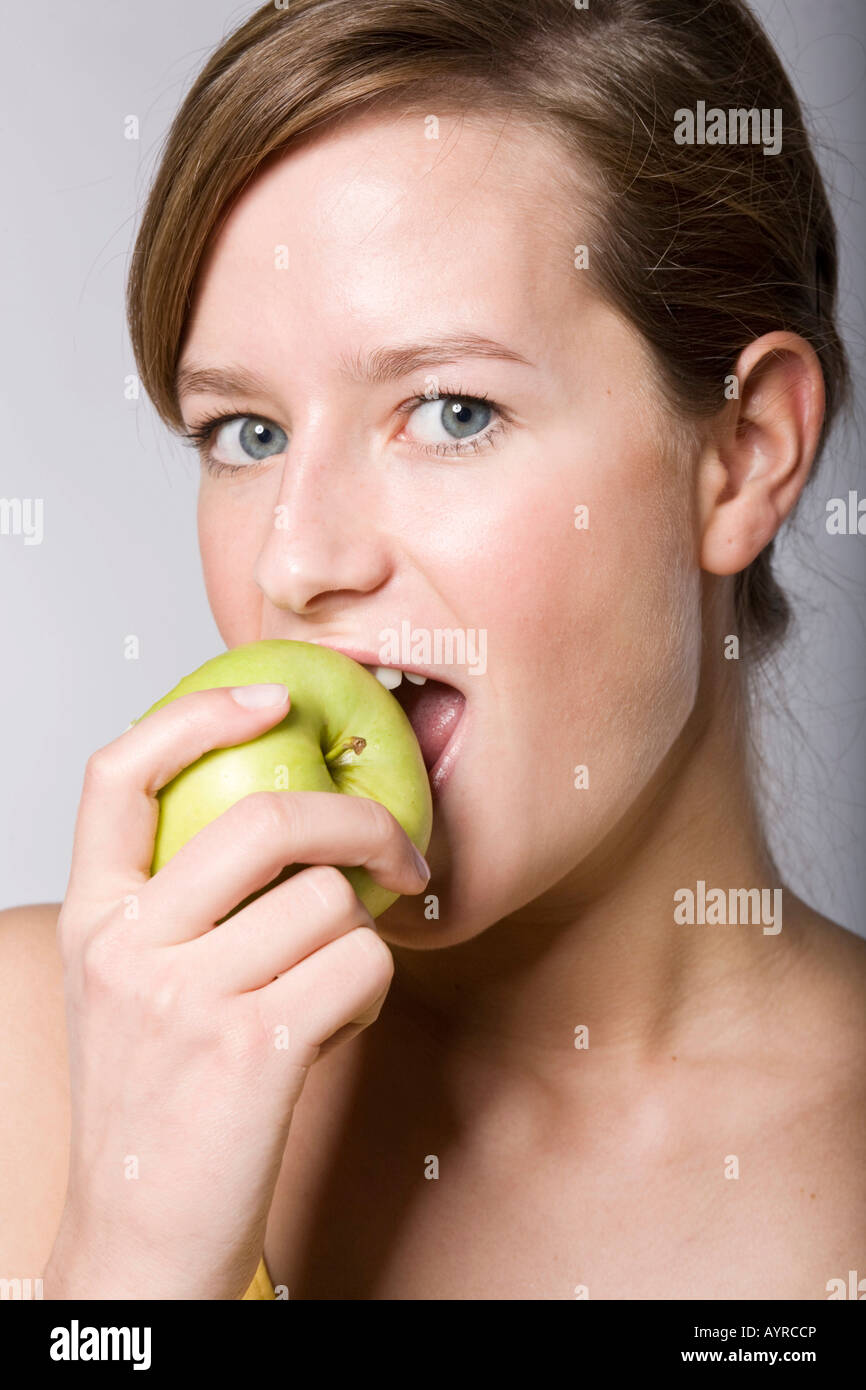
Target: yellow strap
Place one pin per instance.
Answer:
(261, 1287)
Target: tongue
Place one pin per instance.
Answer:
(433, 710)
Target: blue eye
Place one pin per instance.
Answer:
(450, 418)
(233, 442)
(453, 422)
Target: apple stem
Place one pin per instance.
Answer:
(346, 751)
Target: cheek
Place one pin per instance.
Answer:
(640, 630)
(598, 627)
(228, 533)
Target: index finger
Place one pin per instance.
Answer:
(118, 812)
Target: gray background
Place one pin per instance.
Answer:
(119, 554)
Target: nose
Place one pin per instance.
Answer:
(324, 542)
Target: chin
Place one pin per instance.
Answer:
(461, 912)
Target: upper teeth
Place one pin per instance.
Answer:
(392, 676)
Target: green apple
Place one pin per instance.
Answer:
(344, 733)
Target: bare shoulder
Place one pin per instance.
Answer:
(814, 1013)
(825, 988)
(34, 1114)
(810, 1085)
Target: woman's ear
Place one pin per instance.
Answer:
(756, 462)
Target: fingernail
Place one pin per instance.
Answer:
(421, 864)
(257, 696)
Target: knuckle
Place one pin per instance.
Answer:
(266, 814)
(379, 967)
(98, 768)
(167, 994)
(99, 963)
(382, 823)
(240, 1037)
(333, 889)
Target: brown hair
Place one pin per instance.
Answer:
(702, 247)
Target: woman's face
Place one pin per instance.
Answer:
(360, 503)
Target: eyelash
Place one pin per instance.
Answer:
(199, 436)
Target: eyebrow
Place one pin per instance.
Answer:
(375, 367)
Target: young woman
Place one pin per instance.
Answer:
(477, 331)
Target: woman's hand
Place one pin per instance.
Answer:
(190, 1042)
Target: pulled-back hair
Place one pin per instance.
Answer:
(703, 247)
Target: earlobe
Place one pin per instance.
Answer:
(756, 464)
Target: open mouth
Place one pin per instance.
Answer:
(432, 707)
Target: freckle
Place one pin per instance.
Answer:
(811, 1194)
(673, 1059)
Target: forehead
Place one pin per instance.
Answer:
(376, 226)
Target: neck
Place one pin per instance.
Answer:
(602, 949)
